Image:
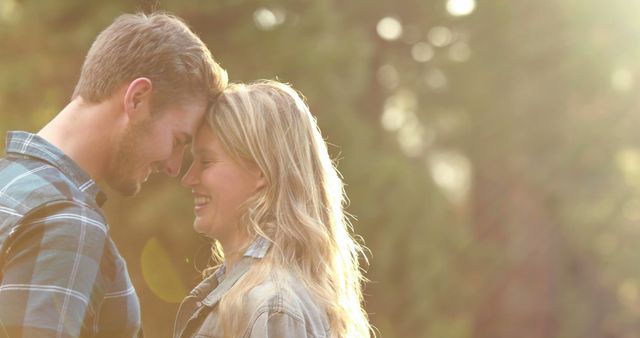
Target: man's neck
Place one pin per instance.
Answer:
(84, 132)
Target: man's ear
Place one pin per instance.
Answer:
(137, 99)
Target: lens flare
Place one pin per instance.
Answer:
(160, 274)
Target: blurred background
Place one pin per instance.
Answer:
(490, 149)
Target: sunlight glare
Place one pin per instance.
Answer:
(160, 274)
(8, 10)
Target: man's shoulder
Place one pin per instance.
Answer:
(26, 184)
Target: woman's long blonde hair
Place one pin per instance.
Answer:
(300, 210)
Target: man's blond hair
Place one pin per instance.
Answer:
(158, 46)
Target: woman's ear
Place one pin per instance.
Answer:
(261, 182)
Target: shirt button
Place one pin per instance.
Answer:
(198, 304)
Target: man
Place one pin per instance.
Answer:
(143, 89)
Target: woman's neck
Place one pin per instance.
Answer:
(233, 250)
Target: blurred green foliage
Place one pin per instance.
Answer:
(492, 160)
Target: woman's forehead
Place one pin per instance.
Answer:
(205, 142)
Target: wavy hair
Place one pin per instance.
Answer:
(300, 210)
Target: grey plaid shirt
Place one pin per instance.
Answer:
(62, 275)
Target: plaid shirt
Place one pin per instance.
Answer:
(62, 275)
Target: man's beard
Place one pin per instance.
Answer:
(127, 160)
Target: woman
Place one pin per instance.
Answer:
(267, 192)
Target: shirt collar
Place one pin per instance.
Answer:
(32, 145)
(258, 249)
(214, 287)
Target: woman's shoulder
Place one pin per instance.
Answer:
(282, 290)
(282, 293)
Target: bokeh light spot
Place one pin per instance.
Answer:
(411, 138)
(393, 118)
(621, 79)
(422, 52)
(436, 79)
(267, 19)
(459, 52)
(628, 292)
(389, 28)
(160, 274)
(388, 76)
(628, 162)
(460, 7)
(451, 171)
(399, 110)
(399, 116)
(440, 36)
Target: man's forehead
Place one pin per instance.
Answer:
(192, 107)
(187, 118)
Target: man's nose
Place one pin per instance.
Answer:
(173, 164)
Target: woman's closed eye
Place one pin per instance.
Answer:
(207, 162)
